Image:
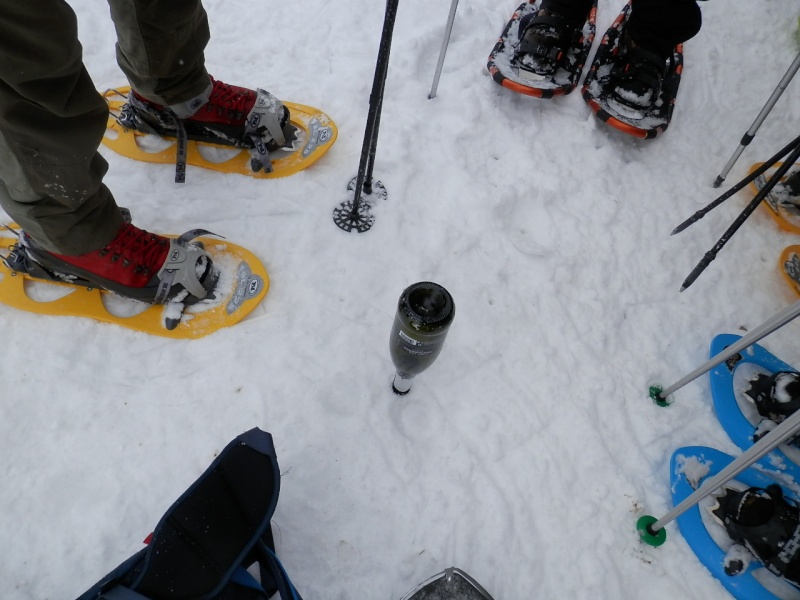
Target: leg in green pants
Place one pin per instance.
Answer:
(160, 47)
(51, 121)
(52, 118)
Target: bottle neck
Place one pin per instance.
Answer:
(401, 385)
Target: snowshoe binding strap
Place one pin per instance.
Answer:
(157, 123)
(543, 42)
(776, 396)
(18, 260)
(265, 127)
(188, 266)
(766, 523)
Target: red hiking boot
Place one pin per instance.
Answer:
(232, 116)
(135, 264)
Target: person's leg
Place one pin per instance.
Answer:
(653, 29)
(160, 49)
(160, 46)
(660, 25)
(51, 122)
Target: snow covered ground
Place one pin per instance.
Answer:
(527, 452)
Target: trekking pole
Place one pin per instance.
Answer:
(751, 133)
(739, 186)
(355, 214)
(712, 254)
(445, 41)
(652, 530)
(772, 324)
(373, 148)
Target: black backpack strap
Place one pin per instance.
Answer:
(273, 573)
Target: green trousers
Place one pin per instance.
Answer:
(52, 118)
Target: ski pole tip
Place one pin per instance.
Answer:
(656, 393)
(653, 537)
(701, 266)
(718, 181)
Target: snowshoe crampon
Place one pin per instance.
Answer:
(786, 214)
(314, 135)
(507, 65)
(241, 283)
(736, 409)
(599, 83)
(709, 539)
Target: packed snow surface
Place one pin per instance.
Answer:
(527, 452)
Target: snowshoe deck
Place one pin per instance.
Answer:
(316, 133)
(505, 71)
(595, 87)
(689, 467)
(735, 412)
(242, 285)
(450, 584)
(786, 217)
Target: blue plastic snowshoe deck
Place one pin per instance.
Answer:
(696, 525)
(737, 415)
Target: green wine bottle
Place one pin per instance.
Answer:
(424, 314)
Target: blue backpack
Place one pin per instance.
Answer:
(215, 542)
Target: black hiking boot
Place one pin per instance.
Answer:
(544, 40)
(636, 79)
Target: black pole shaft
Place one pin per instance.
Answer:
(376, 98)
(373, 148)
(739, 186)
(712, 254)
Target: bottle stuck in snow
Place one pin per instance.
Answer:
(424, 314)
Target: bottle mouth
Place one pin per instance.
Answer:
(429, 302)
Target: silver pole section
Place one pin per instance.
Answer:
(751, 133)
(775, 322)
(445, 41)
(763, 447)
